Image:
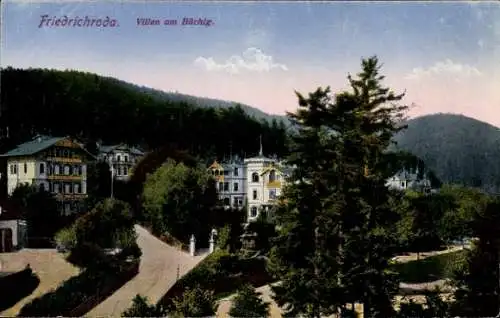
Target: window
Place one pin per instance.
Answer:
(66, 170)
(235, 172)
(80, 170)
(221, 186)
(226, 201)
(125, 171)
(67, 188)
(226, 172)
(272, 194)
(253, 212)
(254, 194)
(41, 187)
(13, 168)
(226, 186)
(235, 202)
(272, 176)
(235, 186)
(402, 184)
(25, 167)
(255, 177)
(77, 188)
(56, 170)
(42, 168)
(56, 187)
(126, 158)
(118, 158)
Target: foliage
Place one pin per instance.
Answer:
(141, 308)
(431, 268)
(265, 231)
(66, 238)
(178, 199)
(457, 222)
(35, 100)
(420, 219)
(195, 302)
(476, 283)
(109, 225)
(459, 149)
(221, 272)
(337, 210)
(41, 211)
(248, 304)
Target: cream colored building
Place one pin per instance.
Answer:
(54, 164)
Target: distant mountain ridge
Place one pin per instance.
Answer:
(457, 148)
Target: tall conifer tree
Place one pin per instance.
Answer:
(335, 217)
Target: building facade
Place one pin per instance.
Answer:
(54, 164)
(230, 180)
(122, 159)
(409, 180)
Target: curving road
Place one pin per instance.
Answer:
(157, 274)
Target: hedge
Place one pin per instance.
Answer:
(81, 293)
(15, 287)
(222, 273)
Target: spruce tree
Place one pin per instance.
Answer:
(247, 303)
(336, 219)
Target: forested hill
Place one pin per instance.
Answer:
(458, 149)
(93, 107)
(204, 102)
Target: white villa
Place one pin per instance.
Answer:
(256, 181)
(408, 180)
(121, 158)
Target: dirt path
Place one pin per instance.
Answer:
(157, 274)
(50, 266)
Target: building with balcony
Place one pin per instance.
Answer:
(410, 180)
(54, 164)
(256, 181)
(230, 180)
(122, 159)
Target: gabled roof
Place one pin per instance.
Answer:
(34, 146)
(216, 165)
(134, 150)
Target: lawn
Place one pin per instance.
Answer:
(431, 268)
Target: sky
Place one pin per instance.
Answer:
(444, 55)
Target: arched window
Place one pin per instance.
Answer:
(56, 169)
(255, 177)
(272, 176)
(253, 212)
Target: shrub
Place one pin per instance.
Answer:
(195, 302)
(247, 303)
(141, 308)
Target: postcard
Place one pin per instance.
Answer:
(188, 117)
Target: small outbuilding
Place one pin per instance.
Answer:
(13, 228)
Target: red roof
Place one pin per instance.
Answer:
(10, 211)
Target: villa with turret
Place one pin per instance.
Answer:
(257, 182)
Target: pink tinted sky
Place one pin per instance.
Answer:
(445, 55)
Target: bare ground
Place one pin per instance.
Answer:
(50, 266)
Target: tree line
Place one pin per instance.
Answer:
(91, 107)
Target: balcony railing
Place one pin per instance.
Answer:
(64, 160)
(274, 184)
(64, 177)
(70, 196)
